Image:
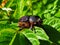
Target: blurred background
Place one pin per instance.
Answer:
(12, 10)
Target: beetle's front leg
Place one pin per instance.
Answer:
(31, 27)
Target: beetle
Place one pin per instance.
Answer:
(29, 22)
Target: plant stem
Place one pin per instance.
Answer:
(13, 39)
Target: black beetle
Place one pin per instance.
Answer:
(29, 22)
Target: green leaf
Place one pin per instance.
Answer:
(41, 34)
(24, 40)
(50, 6)
(57, 14)
(3, 22)
(20, 7)
(19, 39)
(4, 25)
(13, 39)
(9, 3)
(5, 36)
(31, 37)
(54, 22)
(47, 15)
(44, 1)
(52, 27)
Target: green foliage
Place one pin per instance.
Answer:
(48, 10)
(31, 36)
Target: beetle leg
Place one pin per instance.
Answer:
(20, 29)
(31, 27)
(34, 30)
